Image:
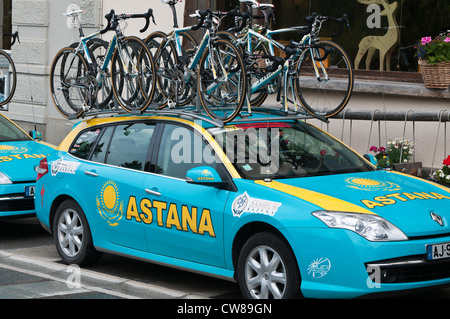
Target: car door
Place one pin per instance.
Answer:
(187, 219)
(113, 176)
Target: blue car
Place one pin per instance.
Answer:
(19, 157)
(271, 202)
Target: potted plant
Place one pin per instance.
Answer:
(443, 175)
(381, 156)
(396, 156)
(434, 60)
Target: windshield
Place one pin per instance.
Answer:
(285, 150)
(10, 132)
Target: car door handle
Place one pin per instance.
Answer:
(91, 173)
(152, 192)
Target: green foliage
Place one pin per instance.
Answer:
(434, 50)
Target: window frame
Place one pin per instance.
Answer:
(103, 129)
(220, 166)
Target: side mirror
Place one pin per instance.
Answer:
(372, 159)
(35, 135)
(204, 175)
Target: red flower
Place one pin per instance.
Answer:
(447, 161)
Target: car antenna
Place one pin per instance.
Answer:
(31, 91)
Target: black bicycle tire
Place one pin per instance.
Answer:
(161, 93)
(14, 78)
(147, 97)
(348, 92)
(60, 53)
(242, 96)
(92, 45)
(259, 97)
(169, 94)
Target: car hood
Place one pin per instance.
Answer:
(407, 202)
(18, 159)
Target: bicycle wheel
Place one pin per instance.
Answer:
(165, 60)
(257, 66)
(97, 50)
(222, 81)
(327, 92)
(132, 74)
(8, 78)
(70, 84)
(173, 85)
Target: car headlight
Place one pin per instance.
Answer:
(4, 179)
(371, 227)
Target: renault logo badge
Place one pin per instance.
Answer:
(436, 218)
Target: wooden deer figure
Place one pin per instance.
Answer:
(386, 43)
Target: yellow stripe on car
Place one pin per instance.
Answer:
(326, 202)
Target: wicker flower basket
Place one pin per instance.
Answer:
(435, 76)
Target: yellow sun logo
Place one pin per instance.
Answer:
(11, 148)
(368, 184)
(108, 203)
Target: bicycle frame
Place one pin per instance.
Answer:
(305, 43)
(205, 42)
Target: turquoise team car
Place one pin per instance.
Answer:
(19, 156)
(274, 203)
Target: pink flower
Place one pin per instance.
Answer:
(382, 149)
(447, 39)
(373, 149)
(426, 40)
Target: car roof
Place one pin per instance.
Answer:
(200, 121)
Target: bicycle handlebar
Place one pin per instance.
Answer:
(202, 14)
(314, 16)
(14, 36)
(340, 21)
(235, 13)
(113, 19)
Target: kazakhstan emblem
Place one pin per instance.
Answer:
(12, 149)
(368, 184)
(108, 204)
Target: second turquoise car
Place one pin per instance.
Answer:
(19, 157)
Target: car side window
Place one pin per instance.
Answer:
(129, 145)
(101, 148)
(84, 143)
(180, 150)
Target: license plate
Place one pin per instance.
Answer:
(29, 191)
(438, 251)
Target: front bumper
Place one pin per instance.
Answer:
(14, 201)
(337, 263)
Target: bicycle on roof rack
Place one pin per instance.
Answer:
(8, 76)
(75, 78)
(215, 69)
(316, 72)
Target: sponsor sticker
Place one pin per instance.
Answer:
(246, 204)
(63, 166)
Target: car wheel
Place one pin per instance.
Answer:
(267, 268)
(72, 235)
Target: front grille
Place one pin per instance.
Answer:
(411, 269)
(16, 202)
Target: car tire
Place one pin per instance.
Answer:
(277, 277)
(72, 235)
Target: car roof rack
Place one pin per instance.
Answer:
(192, 113)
